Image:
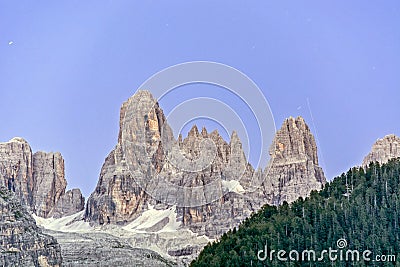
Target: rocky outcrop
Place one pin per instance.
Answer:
(295, 170)
(207, 178)
(69, 203)
(229, 173)
(49, 181)
(118, 198)
(16, 169)
(22, 243)
(383, 150)
(102, 249)
(38, 180)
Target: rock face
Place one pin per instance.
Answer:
(102, 249)
(16, 169)
(117, 197)
(49, 179)
(383, 150)
(22, 243)
(38, 180)
(69, 203)
(295, 171)
(149, 167)
(120, 198)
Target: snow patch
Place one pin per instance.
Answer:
(71, 223)
(233, 186)
(153, 216)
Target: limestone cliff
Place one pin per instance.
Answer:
(295, 170)
(69, 203)
(49, 181)
(22, 243)
(149, 167)
(38, 180)
(16, 169)
(383, 150)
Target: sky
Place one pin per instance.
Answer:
(67, 66)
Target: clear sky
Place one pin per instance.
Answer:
(67, 66)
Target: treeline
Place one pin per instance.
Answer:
(357, 211)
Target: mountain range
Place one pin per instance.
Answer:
(149, 205)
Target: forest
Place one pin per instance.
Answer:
(354, 214)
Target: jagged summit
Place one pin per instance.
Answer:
(18, 139)
(147, 162)
(294, 139)
(143, 100)
(295, 170)
(194, 132)
(383, 150)
(234, 137)
(139, 96)
(234, 134)
(37, 179)
(15, 140)
(118, 198)
(204, 132)
(143, 94)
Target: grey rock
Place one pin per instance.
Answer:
(383, 150)
(224, 189)
(37, 180)
(49, 181)
(69, 203)
(118, 198)
(16, 169)
(102, 249)
(22, 243)
(295, 170)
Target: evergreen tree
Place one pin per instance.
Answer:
(361, 206)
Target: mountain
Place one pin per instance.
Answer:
(295, 170)
(155, 191)
(126, 190)
(22, 243)
(141, 181)
(38, 179)
(355, 217)
(383, 150)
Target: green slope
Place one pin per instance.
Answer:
(360, 208)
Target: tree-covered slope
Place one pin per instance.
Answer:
(358, 211)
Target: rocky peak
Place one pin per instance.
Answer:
(122, 194)
(140, 112)
(204, 132)
(16, 169)
(294, 140)
(118, 198)
(294, 171)
(194, 132)
(383, 150)
(235, 140)
(18, 140)
(38, 180)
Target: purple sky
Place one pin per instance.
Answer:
(66, 68)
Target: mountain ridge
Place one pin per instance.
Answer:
(126, 197)
(143, 124)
